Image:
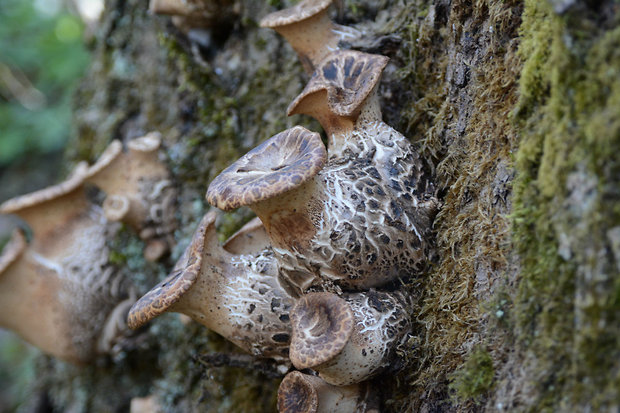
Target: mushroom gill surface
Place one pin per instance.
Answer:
(237, 296)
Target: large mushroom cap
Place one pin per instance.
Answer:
(299, 12)
(278, 165)
(180, 280)
(322, 324)
(297, 394)
(347, 76)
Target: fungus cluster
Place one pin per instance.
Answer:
(59, 290)
(312, 281)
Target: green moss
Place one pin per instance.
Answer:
(475, 377)
(566, 306)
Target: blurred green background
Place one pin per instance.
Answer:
(42, 58)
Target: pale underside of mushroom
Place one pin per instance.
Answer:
(138, 191)
(304, 393)
(309, 30)
(237, 296)
(347, 340)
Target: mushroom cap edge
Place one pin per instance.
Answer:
(303, 149)
(174, 286)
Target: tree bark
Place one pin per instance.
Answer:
(515, 107)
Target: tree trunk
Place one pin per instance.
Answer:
(515, 107)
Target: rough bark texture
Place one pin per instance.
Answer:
(515, 106)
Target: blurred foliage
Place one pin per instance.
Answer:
(41, 57)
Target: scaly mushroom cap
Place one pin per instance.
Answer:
(278, 165)
(299, 12)
(322, 324)
(180, 280)
(347, 76)
(297, 394)
(12, 250)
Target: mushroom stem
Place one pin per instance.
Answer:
(304, 393)
(350, 339)
(237, 296)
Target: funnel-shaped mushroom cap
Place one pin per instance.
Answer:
(297, 394)
(180, 280)
(322, 324)
(12, 250)
(347, 76)
(301, 11)
(278, 165)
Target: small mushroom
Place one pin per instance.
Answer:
(341, 90)
(57, 291)
(250, 239)
(237, 296)
(304, 393)
(139, 191)
(192, 14)
(347, 340)
(309, 30)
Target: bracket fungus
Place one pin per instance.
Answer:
(304, 393)
(57, 291)
(309, 30)
(139, 191)
(237, 296)
(347, 340)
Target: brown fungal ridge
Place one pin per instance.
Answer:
(278, 165)
(322, 324)
(172, 288)
(348, 77)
